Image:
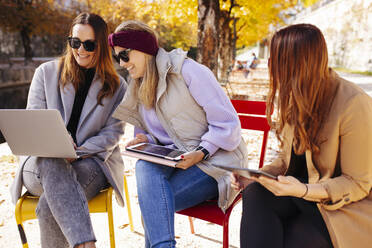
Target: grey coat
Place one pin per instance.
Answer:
(97, 129)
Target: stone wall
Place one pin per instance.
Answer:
(14, 85)
(346, 25)
(42, 46)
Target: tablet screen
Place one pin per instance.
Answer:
(156, 150)
(246, 172)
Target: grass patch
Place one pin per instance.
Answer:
(342, 69)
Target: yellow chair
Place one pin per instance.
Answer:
(129, 210)
(101, 203)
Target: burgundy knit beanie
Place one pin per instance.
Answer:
(135, 39)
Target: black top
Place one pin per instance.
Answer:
(298, 168)
(79, 101)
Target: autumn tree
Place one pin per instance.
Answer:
(215, 27)
(244, 22)
(234, 23)
(208, 30)
(32, 17)
(174, 21)
(308, 3)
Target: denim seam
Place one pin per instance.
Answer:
(93, 175)
(167, 209)
(82, 200)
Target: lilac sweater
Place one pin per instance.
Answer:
(224, 127)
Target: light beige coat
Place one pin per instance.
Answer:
(343, 167)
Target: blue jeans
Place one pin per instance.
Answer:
(162, 191)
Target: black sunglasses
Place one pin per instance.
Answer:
(75, 43)
(123, 55)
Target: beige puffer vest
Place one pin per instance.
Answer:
(184, 121)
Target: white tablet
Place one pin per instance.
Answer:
(157, 151)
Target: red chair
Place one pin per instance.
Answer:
(252, 115)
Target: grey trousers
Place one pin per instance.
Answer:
(64, 191)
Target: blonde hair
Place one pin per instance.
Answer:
(70, 71)
(146, 86)
(300, 76)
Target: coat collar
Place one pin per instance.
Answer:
(68, 98)
(312, 172)
(168, 62)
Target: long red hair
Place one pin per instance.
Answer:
(301, 80)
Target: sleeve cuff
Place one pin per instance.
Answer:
(210, 147)
(338, 195)
(150, 139)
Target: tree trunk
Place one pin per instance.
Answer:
(234, 38)
(26, 40)
(225, 47)
(25, 31)
(208, 15)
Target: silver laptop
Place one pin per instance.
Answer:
(40, 132)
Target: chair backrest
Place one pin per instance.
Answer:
(252, 115)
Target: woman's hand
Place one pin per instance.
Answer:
(189, 159)
(70, 160)
(72, 140)
(284, 186)
(140, 138)
(238, 182)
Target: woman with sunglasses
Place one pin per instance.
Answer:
(322, 196)
(84, 86)
(174, 101)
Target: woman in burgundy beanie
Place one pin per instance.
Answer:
(176, 102)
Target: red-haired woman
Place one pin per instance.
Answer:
(84, 86)
(322, 196)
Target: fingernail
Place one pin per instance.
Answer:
(182, 156)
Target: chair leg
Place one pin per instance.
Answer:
(191, 225)
(110, 220)
(127, 199)
(226, 234)
(23, 236)
(18, 216)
